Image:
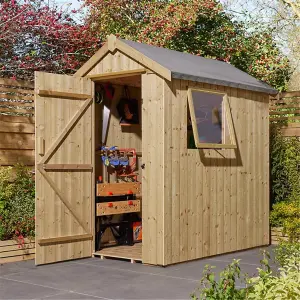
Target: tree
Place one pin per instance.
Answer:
(34, 36)
(200, 27)
(282, 17)
(294, 5)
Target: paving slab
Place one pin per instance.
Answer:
(18, 290)
(93, 278)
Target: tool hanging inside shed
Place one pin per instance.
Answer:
(128, 169)
(123, 160)
(128, 109)
(104, 94)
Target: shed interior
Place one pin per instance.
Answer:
(120, 204)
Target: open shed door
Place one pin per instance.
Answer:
(64, 167)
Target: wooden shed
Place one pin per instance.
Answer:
(201, 138)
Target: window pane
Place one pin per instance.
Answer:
(209, 116)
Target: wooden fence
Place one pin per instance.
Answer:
(285, 111)
(16, 122)
(12, 251)
(17, 119)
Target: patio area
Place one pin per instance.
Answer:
(93, 278)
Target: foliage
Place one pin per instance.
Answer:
(36, 37)
(17, 192)
(294, 5)
(6, 189)
(285, 167)
(285, 286)
(287, 215)
(285, 250)
(223, 289)
(198, 27)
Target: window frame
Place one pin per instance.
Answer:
(227, 115)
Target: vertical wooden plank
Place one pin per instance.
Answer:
(241, 169)
(259, 145)
(199, 206)
(152, 89)
(229, 154)
(220, 199)
(235, 161)
(266, 168)
(255, 192)
(193, 203)
(176, 172)
(246, 173)
(107, 63)
(157, 150)
(50, 228)
(92, 128)
(146, 246)
(58, 109)
(182, 105)
(192, 195)
(167, 115)
(251, 145)
(40, 195)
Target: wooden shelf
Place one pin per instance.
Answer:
(118, 188)
(118, 207)
(129, 125)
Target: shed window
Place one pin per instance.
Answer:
(211, 119)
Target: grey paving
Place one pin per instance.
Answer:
(93, 278)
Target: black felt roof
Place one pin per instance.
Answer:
(200, 69)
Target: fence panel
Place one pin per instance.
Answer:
(285, 112)
(16, 122)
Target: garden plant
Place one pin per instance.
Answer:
(17, 203)
(283, 284)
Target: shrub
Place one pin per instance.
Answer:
(225, 288)
(17, 203)
(285, 250)
(285, 286)
(6, 188)
(287, 215)
(285, 167)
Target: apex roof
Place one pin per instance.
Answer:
(175, 64)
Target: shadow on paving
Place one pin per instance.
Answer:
(93, 278)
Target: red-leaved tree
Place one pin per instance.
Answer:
(34, 36)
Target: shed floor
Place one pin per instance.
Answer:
(133, 253)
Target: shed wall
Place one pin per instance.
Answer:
(153, 174)
(124, 137)
(115, 62)
(215, 201)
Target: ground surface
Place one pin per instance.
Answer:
(93, 278)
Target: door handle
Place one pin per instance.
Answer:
(41, 146)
